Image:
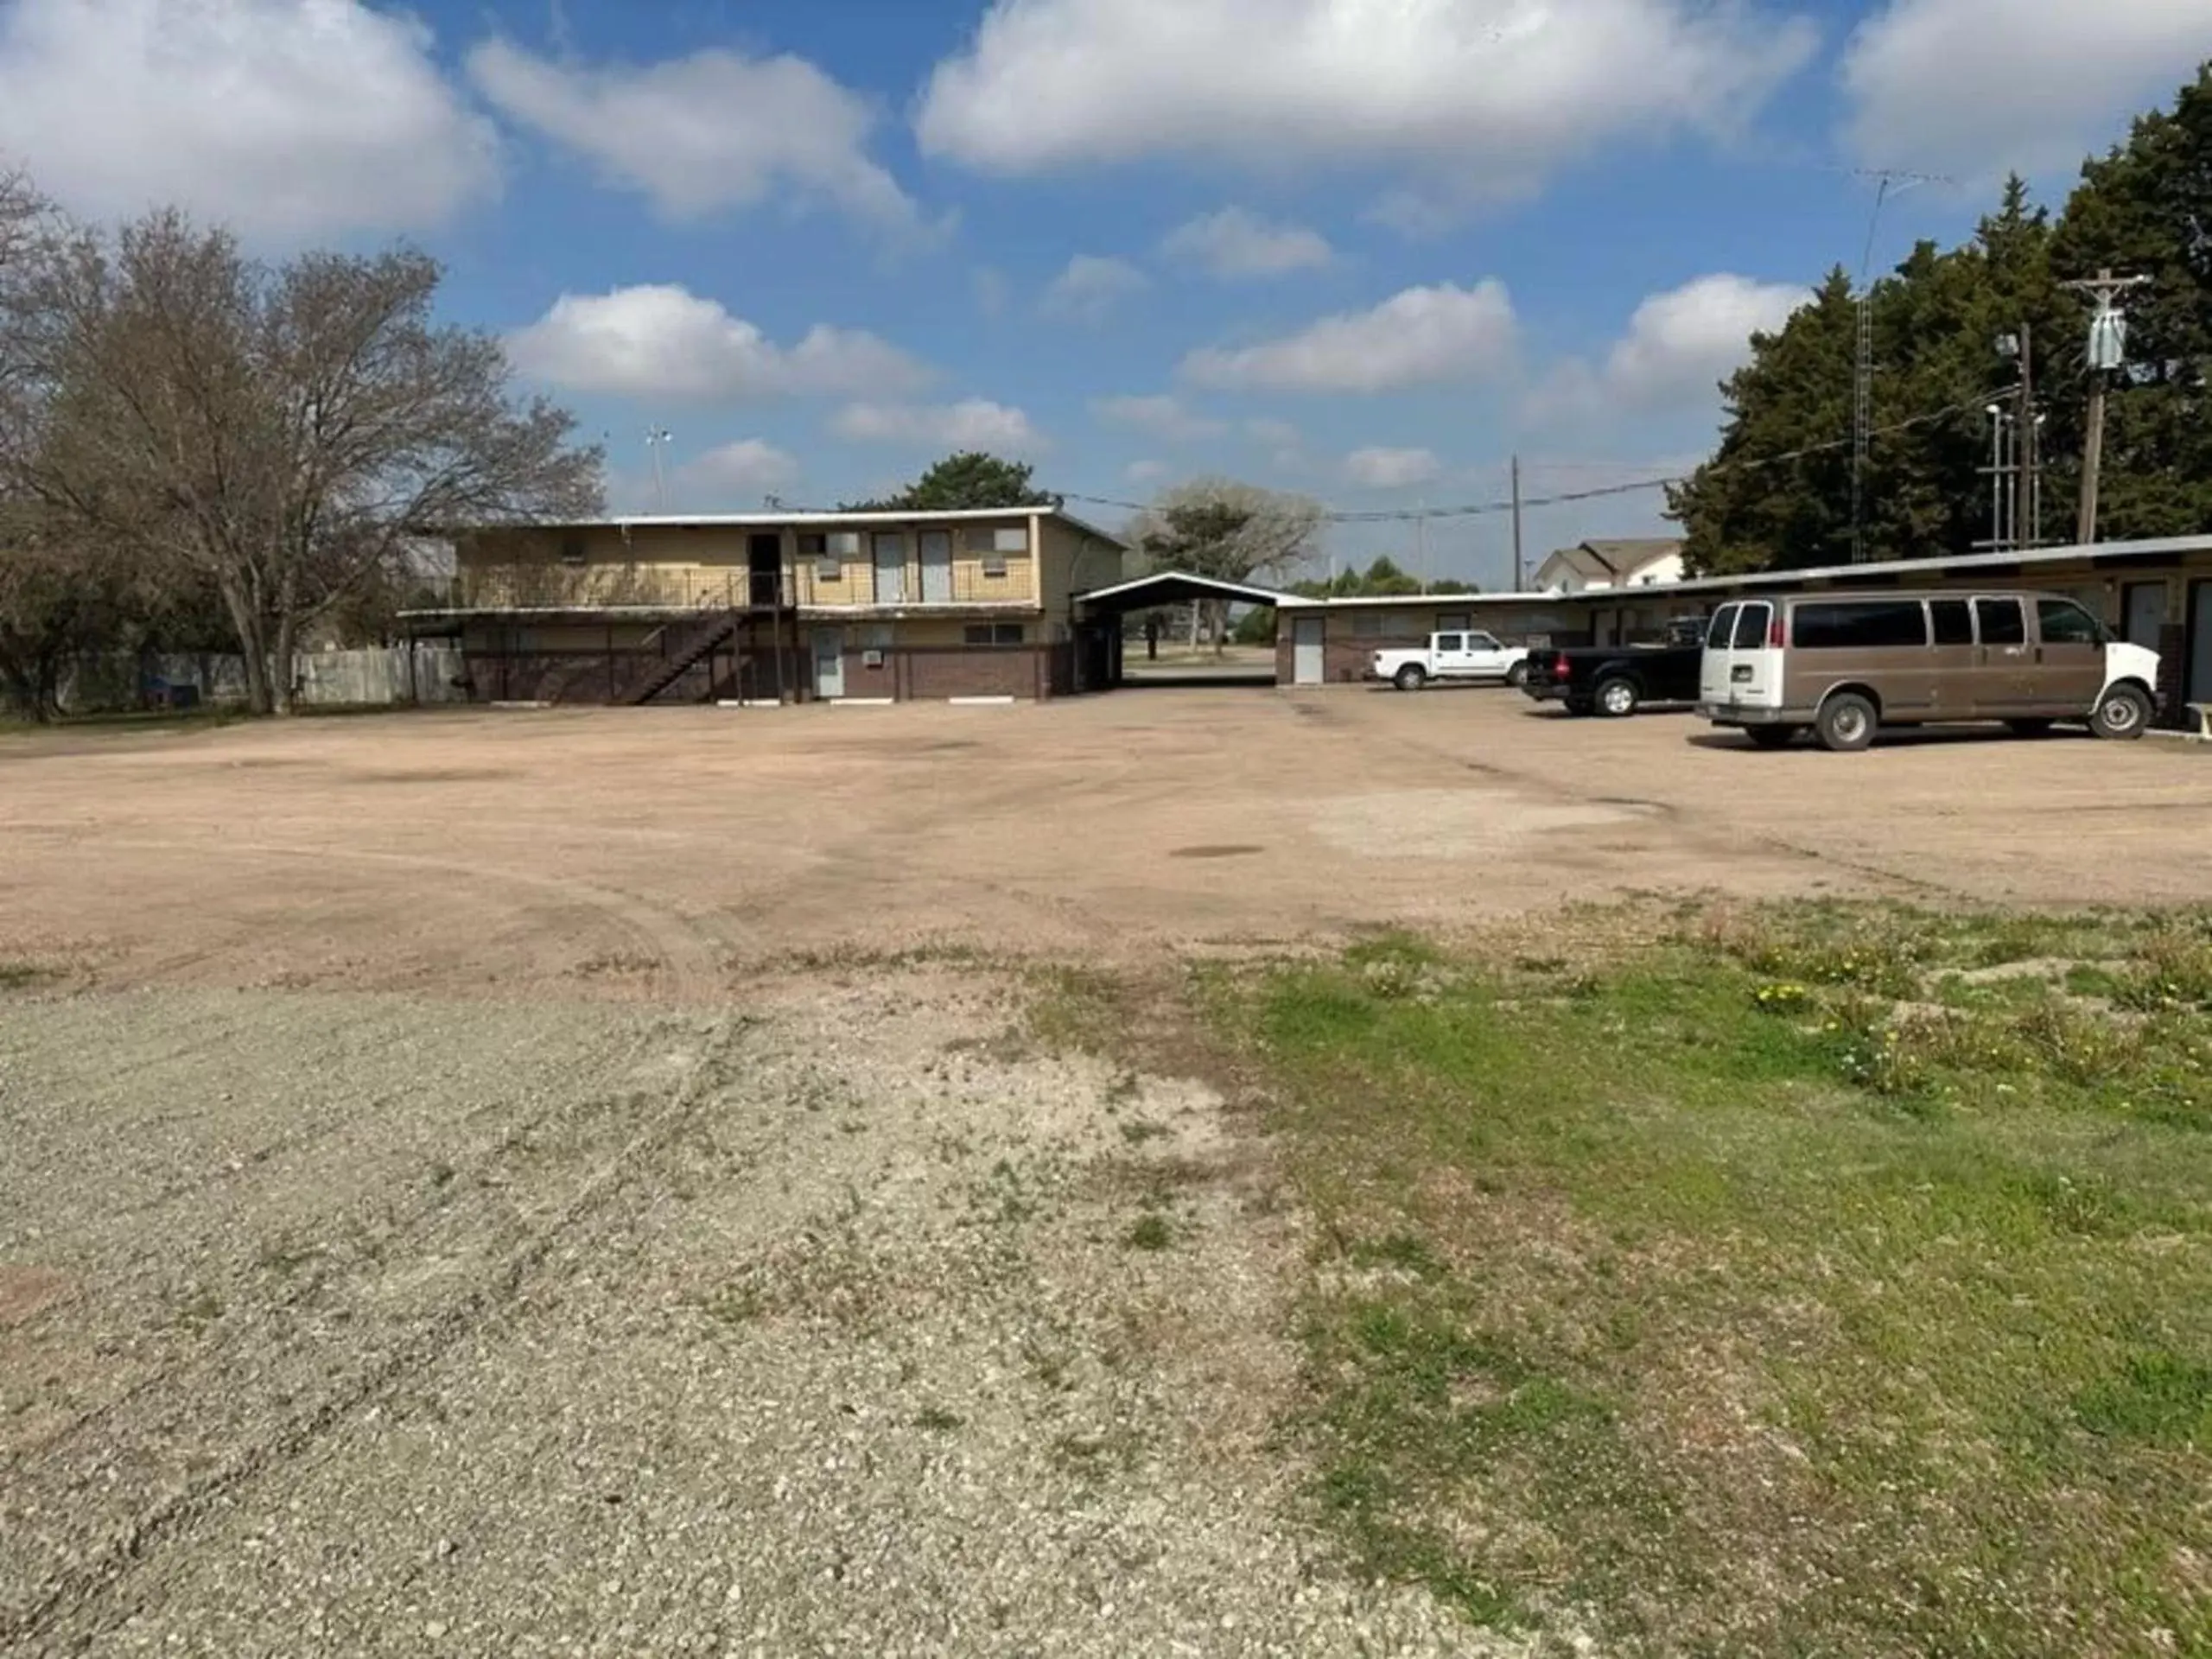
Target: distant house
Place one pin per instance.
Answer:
(1594, 567)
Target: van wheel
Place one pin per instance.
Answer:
(2124, 714)
(1517, 676)
(1770, 737)
(1411, 678)
(1618, 699)
(1846, 723)
(2031, 728)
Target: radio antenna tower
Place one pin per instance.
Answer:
(1891, 181)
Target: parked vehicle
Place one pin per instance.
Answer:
(1617, 680)
(1843, 665)
(1451, 657)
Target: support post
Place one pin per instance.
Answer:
(1519, 566)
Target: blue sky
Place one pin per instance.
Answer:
(1365, 249)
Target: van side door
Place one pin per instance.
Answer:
(2069, 675)
(2004, 669)
(1953, 658)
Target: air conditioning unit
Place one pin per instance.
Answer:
(872, 659)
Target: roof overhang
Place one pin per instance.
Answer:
(1175, 587)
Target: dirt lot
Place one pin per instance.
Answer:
(486, 1183)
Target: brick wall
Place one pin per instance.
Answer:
(931, 675)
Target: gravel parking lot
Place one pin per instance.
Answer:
(579, 1182)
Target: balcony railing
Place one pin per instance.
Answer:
(862, 586)
(615, 586)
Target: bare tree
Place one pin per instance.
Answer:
(281, 434)
(1234, 532)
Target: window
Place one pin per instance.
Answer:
(1484, 642)
(1450, 642)
(994, 633)
(843, 543)
(815, 546)
(876, 636)
(1454, 622)
(1723, 629)
(1015, 540)
(1752, 624)
(1954, 621)
(2002, 621)
(2065, 623)
(1860, 625)
(1372, 625)
(572, 549)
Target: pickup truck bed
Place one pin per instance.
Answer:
(1614, 680)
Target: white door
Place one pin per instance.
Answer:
(1486, 658)
(1448, 655)
(891, 569)
(829, 663)
(1309, 660)
(1742, 666)
(937, 567)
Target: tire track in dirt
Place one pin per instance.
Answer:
(104, 1575)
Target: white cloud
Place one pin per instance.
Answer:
(663, 341)
(1976, 88)
(1234, 244)
(1164, 417)
(286, 119)
(1281, 433)
(1679, 345)
(1145, 471)
(1091, 287)
(1495, 94)
(713, 131)
(1392, 469)
(745, 467)
(973, 423)
(1424, 336)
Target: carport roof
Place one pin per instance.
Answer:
(1176, 588)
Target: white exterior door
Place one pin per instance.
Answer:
(1309, 658)
(1486, 659)
(891, 569)
(937, 567)
(829, 663)
(2146, 613)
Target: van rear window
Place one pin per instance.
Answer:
(1724, 625)
(1751, 627)
(1859, 625)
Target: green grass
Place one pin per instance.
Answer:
(1812, 1280)
(21, 975)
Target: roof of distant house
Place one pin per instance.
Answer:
(798, 520)
(1616, 561)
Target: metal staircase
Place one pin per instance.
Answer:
(675, 650)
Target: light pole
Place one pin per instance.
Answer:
(657, 440)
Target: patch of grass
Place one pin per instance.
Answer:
(1152, 1232)
(200, 1310)
(1815, 1277)
(936, 1419)
(1137, 1131)
(21, 975)
(2156, 1397)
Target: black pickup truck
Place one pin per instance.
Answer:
(1617, 680)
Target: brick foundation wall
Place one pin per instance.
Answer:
(928, 675)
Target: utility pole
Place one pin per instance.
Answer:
(2107, 352)
(1518, 566)
(1420, 540)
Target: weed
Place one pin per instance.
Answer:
(21, 975)
(200, 1310)
(1152, 1232)
(1136, 1131)
(936, 1419)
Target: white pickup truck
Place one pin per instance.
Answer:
(1451, 657)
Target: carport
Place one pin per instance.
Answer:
(1099, 626)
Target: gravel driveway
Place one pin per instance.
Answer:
(361, 1324)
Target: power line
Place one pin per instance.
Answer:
(1567, 498)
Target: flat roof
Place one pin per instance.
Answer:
(2092, 553)
(791, 520)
